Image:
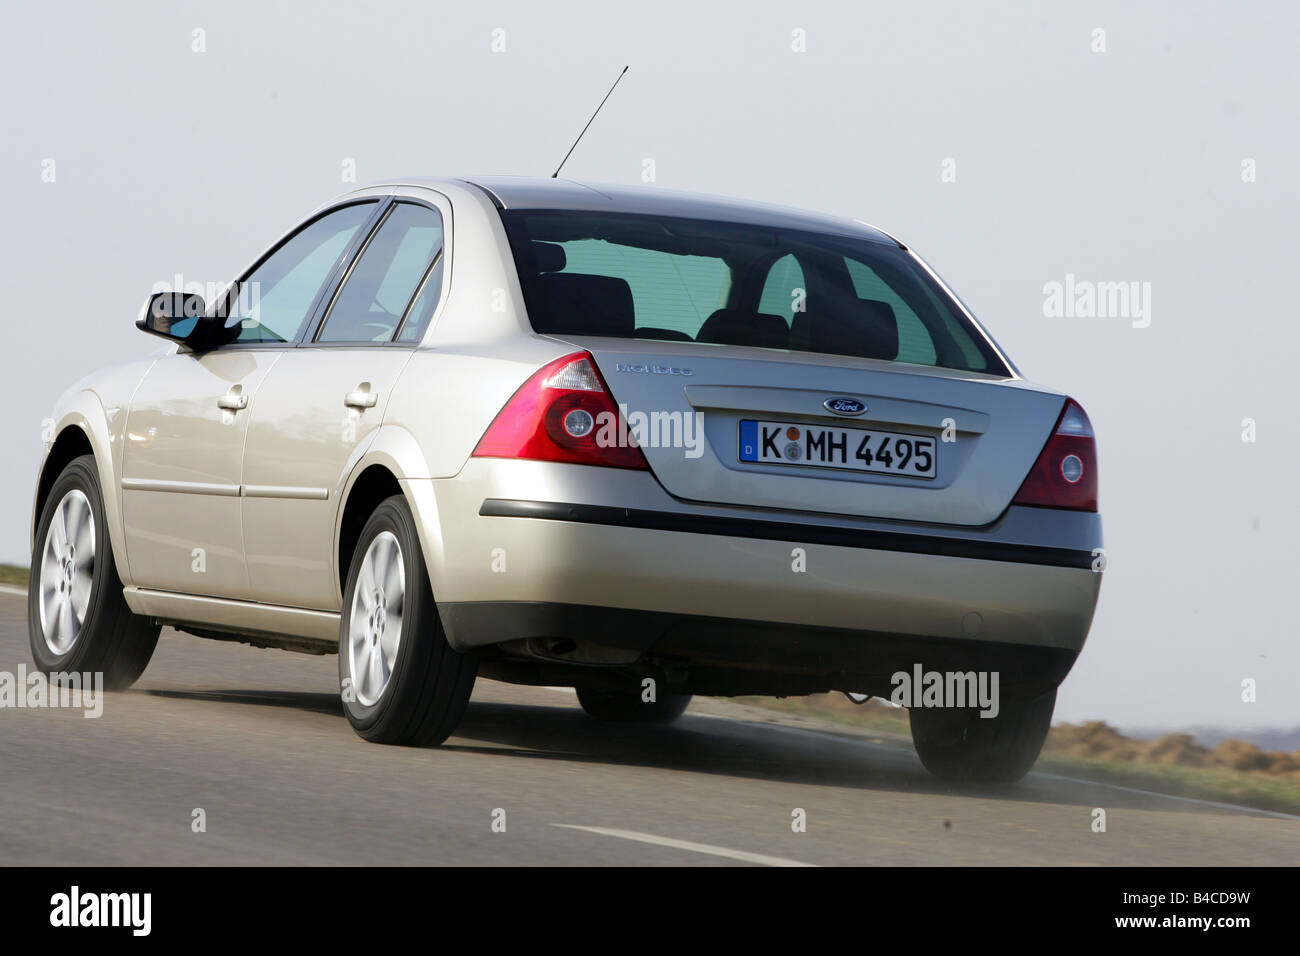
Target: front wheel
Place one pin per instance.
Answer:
(961, 746)
(627, 707)
(77, 619)
(402, 683)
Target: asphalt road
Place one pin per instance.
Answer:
(257, 740)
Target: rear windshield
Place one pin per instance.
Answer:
(720, 283)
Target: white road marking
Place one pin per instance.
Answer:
(1169, 796)
(742, 855)
(10, 589)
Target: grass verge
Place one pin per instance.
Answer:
(14, 574)
(1142, 765)
(1281, 793)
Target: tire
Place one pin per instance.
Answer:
(627, 707)
(962, 746)
(402, 682)
(77, 619)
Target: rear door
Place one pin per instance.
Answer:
(318, 410)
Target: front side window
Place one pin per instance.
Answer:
(388, 274)
(724, 283)
(274, 301)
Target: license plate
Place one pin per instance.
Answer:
(855, 449)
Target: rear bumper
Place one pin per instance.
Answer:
(721, 656)
(531, 549)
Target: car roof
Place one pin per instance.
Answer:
(526, 192)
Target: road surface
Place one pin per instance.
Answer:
(256, 739)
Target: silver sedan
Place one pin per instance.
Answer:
(643, 444)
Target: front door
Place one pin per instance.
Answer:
(188, 421)
(185, 434)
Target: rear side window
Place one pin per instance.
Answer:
(426, 302)
(385, 278)
(721, 283)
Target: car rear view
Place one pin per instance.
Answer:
(775, 455)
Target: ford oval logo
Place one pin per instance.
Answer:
(845, 406)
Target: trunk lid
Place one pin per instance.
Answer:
(987, 430)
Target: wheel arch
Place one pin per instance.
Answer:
(80, 431)
(381, 472)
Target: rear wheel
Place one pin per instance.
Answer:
(402, 682)
(627, 707)
(960, 745)
(77, 619)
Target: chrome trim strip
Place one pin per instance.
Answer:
(225, 491)
(979, 327)
(285, 491)
(180, 487)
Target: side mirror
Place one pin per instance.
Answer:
(172, 315)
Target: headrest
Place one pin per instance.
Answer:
(578, 304)
(549, 257)
(865, 328)
(738, 327)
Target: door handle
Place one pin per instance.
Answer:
(361, 398)
(232, 402)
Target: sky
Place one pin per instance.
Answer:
(1012, 144)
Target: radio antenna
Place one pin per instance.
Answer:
(556, 174)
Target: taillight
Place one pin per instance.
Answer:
(1065, 474)
(563, 413)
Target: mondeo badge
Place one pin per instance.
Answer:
(845, 406)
